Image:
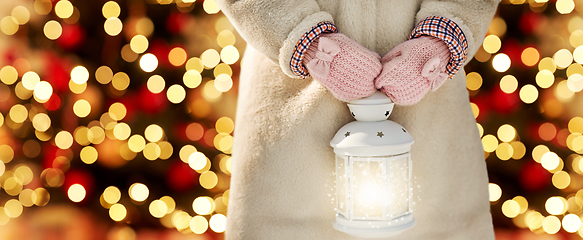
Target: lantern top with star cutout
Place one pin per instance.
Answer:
(372, 134)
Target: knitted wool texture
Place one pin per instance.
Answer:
(346, 68)
(413, 68)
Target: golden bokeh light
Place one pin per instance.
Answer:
(473, 81)
(13, 208)
(508, 84)
(52, 30)
(545, 78)
(556, 205)
(9, 25)
(77, 88)
(22, 92)
(495, 192)
(18, 113)
(176, 94)
(181, 220)
(79, 74)
(144, 26)
(52, 177)
(490, 143)
(170, 203)
(223, 83)
(8, 75)
(510, 208)
(177, 56)
(548, 64)
(158, 208)
(128, 54)
(528, 93)
(565, 6)
(492, 43)
(229, 54)
(152, 151)
(506, 133)
(475, 109)
(88, 155)
(139, 44)
(166, 150)
(64, 9)
(198, 224)
(501, 62)
(120, 81)
(550, 161)
(522, 202)
(562, 91)
(576, 38)
(530, 56)
(538, 152)
(42, 91)
(574, 68)
(21, 14)
(41, 122)
(122, 131)
(519, 150)
(192, 78)
(504, 151)
(30, 80)
(42, 197)
(136, 143)
(575, 82)
(111, 194)
(218, 223)
(563, 58)
(575, 125)
(578, 55)
(64, 140)
(194, 63)
(571, 223)
(203, 205)
(156, 84)
(223, 68)
(226, 38)
(185, 152)
(210, 6)
(224, 125)
(210, 58)
(82, 108)
(561, 179)
(76, 192)
(197, 160)
(208, 180)
(113, 26)
(154, 133)
(117, 111)
(25, 197)
(551, 224)
(139, 192)
(117, 212)
(148, 62)
(210, 92)
(110, 10)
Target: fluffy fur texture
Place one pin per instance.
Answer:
(413, 68)
(343, 66)
(282, 161)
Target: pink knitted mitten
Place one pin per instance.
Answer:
(412, 68)
(344, 67)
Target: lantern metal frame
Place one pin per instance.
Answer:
(382, 145)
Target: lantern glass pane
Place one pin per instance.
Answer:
(369, 187)
(341, 184)
(399, 185)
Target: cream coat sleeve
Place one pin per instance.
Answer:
(472, 16)
(274, 27)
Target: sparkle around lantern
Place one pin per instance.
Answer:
(373, 172)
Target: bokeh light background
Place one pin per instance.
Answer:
(116, 118)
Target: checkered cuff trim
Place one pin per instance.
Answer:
(296, 61)
(451, 33)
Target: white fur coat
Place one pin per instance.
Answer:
(282, 172)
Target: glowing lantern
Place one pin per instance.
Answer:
(373, 172)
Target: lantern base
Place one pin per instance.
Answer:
(373, 229)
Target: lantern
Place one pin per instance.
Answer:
(373, 171)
